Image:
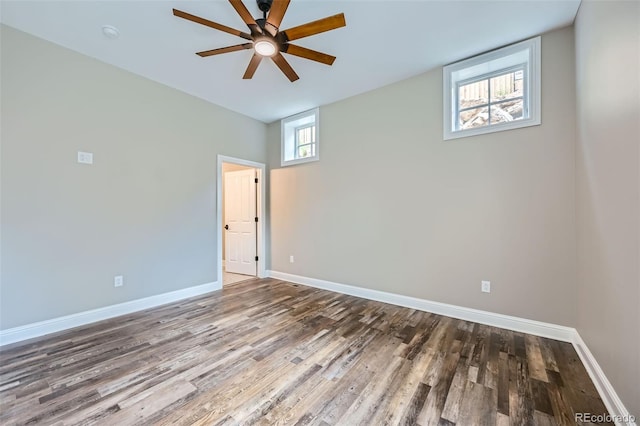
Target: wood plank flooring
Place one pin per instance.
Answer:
(268, 352)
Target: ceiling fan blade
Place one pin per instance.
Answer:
(253, 66)
(211, 24)
(225, 49)
(316, 27)
(284, 66)
(276, 13)
(303, 52)
(246, 16)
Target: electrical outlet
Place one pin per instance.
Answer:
(486, 286)
(118, 281)
(291, 259)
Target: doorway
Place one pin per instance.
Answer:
(240, 220)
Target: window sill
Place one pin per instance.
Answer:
(448, 135)
(299, 161)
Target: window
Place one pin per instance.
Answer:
(495, 91)
(300, 141)
(305, 141)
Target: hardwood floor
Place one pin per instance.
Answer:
(269, 352)
(229, 278)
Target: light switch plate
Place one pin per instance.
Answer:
(85, 157)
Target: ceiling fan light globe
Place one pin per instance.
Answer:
(265, 48)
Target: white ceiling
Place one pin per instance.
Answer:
(383, 42)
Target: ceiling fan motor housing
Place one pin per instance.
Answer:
(264, 5)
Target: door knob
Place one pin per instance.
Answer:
(226, 227)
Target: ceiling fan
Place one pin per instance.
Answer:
(265, 36)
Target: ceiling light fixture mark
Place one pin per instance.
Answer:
(110, 32)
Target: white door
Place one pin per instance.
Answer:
(240, 216)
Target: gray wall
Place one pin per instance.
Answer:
(145, 209)
(608, 190)
(391, 206)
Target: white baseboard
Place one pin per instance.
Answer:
(537, 328)
(552, 331)
(54, 325)
(603, 385)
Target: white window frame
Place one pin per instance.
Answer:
(288, 132)
(485, 66)
(297, 143)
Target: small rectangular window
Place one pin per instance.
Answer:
(305, 141)
(300, 141)
(495, 91)
(490, 99)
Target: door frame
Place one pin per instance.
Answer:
(260, 211)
